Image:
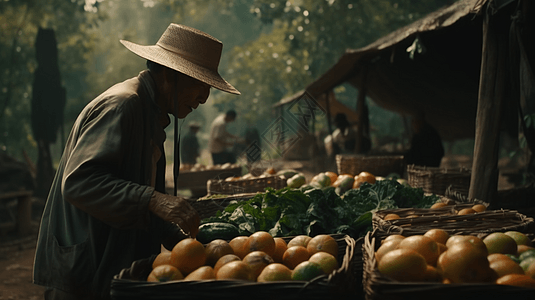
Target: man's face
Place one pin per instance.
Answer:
(191, 93)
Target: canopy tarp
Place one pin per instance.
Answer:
(334, 106)
(442, 82)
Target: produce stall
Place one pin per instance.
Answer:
(378, 235)
(460, 82)
(269, 242)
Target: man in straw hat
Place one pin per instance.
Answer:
(107, 206)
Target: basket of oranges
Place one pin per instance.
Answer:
(451, 216)
(441, 265)
(267, 267)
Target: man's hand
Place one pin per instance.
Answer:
(175, 210)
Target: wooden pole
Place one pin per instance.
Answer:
(328, 96)
(484, 178)
(362, 114)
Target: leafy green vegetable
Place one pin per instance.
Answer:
(314, 211)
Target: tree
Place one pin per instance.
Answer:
(21, 20)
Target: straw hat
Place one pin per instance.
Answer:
(188, 51)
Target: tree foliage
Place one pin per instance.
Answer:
(307, 38)
(21, 20)
(272, 48)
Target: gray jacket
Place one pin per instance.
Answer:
(96, 221)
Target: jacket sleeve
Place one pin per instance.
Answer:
(94, 178)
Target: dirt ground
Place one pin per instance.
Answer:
(16, 265)
(17, 253)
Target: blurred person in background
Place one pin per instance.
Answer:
(107, 206)
(190, 149)
(344, 136)
(426, 145)
(221, 140)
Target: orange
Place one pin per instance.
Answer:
(215, 249)
(503, 267)
(499, 242)
(295, 255)
(403, 265)
(323, 243)
(343, 177)
(366, 177)
(224, 260)
(202, 273)
(472, 240)
(497, 256)
(521, 280)
(235, 270)
(164, 273)
(438, 205)
(391, 237)
(327, 261)
(466, 211)
(438, 235)
(523, 248)
(455, 239)
(464, 262)
(530, 271)
(275, 272)
(333, 176)
(164, 258)
(260, 241)
(306, 271)
(300, 240)
(257, 261)
(237, 245)
(280, 247)
(363, 177)
(391, 217)
(424, 245)
(187, 255)
(271, 171)
(479, 207)
(520, 238)
(441, 248)
(526, 263)
(386, 247)
(432, 274)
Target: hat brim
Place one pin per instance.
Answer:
(171, 60)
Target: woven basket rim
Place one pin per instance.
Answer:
(265, 178)
(479, 223)
(416, 168)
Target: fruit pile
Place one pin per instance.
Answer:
(258, 257)
(502, 258)
(473, 209)
(342, 182)
(200, 167)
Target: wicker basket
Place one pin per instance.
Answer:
(208, 207)
(446, 218)
(196, 181)
(252, 185)
(378, 165)
(437, 180)
(379, 287)
(339, 284)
